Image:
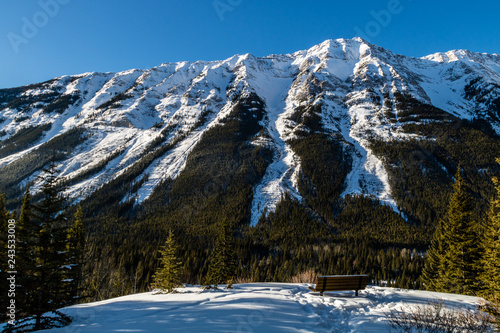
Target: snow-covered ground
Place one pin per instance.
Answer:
(255, 307)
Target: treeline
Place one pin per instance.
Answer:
(285, 244)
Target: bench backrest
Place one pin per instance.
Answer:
(341, 282)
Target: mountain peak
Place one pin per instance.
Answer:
(342, 49)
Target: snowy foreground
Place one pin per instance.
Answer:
(255, 307)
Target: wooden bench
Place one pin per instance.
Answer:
(340, 282)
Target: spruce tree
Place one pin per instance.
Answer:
(491, 256)
(51, 252)
(459, 267)
(222, 266)
(76, 250)
(167, 276)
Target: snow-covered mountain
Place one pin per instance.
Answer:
(99, 125)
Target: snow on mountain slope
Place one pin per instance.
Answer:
(281, 176)
(353, 82)
(256, 307)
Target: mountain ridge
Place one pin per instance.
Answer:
(350, 84)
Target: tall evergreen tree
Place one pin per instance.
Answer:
(491, 256)
(222, 268)
(51, 252)
(459, 267)
(27, 234)
(167, 276)
(76, 251)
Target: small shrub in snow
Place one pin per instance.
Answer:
(493, 308)
(308, 276)
(434, 317)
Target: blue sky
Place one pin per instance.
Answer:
(42, 39)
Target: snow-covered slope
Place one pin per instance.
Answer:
(256, 307)
(353, 82)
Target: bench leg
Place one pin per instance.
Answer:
(321, 293)
(356, 293)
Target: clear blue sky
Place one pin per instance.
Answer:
(109, 35)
